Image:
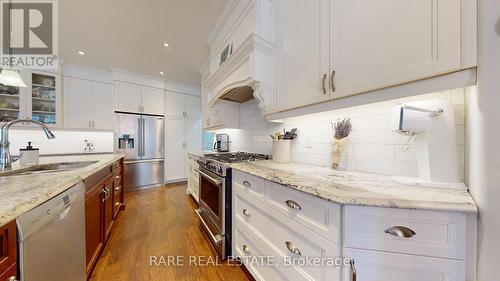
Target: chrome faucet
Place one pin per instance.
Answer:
(5, 160)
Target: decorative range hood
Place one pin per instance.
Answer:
(247, 74)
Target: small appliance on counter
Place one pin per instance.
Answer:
(29, 156)
(221, 143)
(432, 126)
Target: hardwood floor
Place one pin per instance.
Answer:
(159, 222)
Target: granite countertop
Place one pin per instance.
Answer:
(356, 188)
(19, 194)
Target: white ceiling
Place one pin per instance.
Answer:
(129, 34)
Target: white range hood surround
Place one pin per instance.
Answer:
(250, 65)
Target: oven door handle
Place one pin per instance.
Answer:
(217, 239)
(210, 178)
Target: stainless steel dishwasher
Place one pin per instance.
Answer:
(52, 239)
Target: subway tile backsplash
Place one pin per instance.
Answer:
(372, 146)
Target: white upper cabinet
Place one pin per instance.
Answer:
(180, 105)
(302, 52)
(128, 97)
(193, 107)
(138, 99)
(364, 45)
(175, 104)
(152, 101)
(87, 104)
(102, 105)
(77, 103)
(377, 44)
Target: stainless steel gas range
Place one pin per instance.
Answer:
(215, 196)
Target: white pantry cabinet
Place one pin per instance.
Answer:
(180, 105)
(135, 98)
(175, 149)
(328, 49)
(183, 133)
(87, 104)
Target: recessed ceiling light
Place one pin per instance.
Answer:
(162, 73)
(166, 44)
(81, 53)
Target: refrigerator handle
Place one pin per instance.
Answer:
(143, 136)
(139, 143)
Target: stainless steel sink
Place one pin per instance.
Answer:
(48, 168)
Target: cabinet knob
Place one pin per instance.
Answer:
(246, 213)
(117, 204)
(292, 248)
(246, 183)
(117, 188)
(246, 249)
(12, 278)
(292, 204)
(400, 231)
(117, 177)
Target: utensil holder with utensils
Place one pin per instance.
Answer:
(282, 151)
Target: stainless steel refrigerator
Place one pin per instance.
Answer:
(141, 139)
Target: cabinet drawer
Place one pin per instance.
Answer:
(286, 235)
(436, 234)
(382, 266)
(319, 215)
(248, 246)
(251, 184)
(8, 246)
(9, 273)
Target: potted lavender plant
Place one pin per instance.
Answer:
(341, 130)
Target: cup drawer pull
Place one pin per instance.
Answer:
(246, 213)
(292, 248)
(400, 231)
(292, 204)
(246, 183)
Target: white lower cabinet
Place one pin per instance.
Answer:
(383, 266)
(193, 176)
(298, 252)
(373, 243)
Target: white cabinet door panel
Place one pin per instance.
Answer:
(153, 101)
(127, 97)
(382, 266)
(175, 168)
(193, 106)
(193, 135)
(302, 52)
(102, 104)
(175, 104)
(377, 44)
(77, 103)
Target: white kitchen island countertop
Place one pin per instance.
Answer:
(20, 194)
(358, 188)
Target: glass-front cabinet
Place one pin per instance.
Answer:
(10, 103)
(40, 101)
(44, 98)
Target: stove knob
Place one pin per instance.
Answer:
(219, 169)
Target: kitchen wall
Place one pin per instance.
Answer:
(372, 147)
(65, 141)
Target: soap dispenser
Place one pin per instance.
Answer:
(29, 155)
